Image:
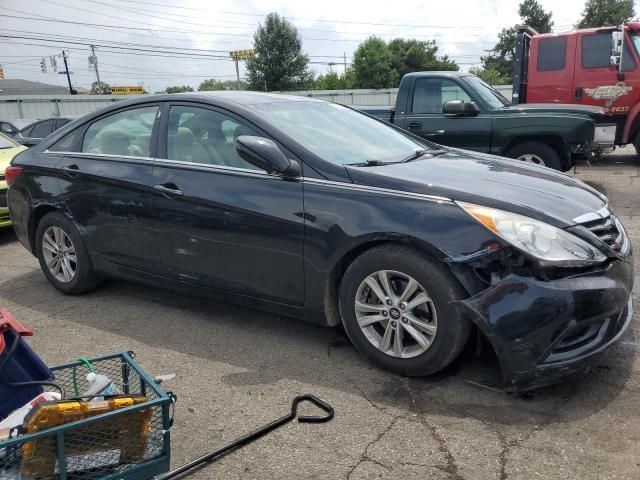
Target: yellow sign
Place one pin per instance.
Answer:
(127, 90)
(242, 54)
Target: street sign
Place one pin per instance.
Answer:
(242, 54)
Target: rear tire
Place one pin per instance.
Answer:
(63, 257)
(443, 329)
(536, 152)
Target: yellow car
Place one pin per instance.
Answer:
(8, 150)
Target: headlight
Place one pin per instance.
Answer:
(539, 239)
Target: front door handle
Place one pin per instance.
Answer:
(71, 170)
(169, 189)
(414, 126)
(436, 132)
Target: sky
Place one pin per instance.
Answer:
(207, 30)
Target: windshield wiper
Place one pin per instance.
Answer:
(369, 163)
(419, 153)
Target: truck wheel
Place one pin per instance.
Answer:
(397, 307)
(536, 152)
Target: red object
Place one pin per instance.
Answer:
(9, 322)
(11, 173)
(587, 78)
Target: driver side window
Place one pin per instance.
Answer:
(200, 135)
(430, 93)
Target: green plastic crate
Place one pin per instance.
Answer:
(83, 450)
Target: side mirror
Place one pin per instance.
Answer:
(460, 108)
(265, 154)
(616, 47)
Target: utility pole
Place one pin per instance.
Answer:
(95, 65)
(345, 62)
(66, 68)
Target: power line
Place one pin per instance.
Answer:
(325, 20)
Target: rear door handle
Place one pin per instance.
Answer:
(578, 93)
(414, 126)
(169, 189)
(71, 170)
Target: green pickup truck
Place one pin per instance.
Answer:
(460, 110)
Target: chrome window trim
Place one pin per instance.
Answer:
(99, 155)
(207, 166)
(383, 191)
(604, 212)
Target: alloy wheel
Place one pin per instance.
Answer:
(532, 158)
(59, 254)
(396, 314)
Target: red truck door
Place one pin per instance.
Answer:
(550, 72)
(599, 83)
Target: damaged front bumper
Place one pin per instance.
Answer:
(544, 331)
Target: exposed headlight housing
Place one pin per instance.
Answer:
(543, 241)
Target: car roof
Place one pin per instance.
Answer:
(246, 98)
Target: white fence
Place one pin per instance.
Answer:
(44, 106)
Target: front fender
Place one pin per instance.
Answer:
(570, 129)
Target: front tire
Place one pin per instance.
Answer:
(62, 255)
(537, 153)
(396, 307)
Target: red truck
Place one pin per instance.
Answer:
(596, 66)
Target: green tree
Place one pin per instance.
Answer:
(492, 77)
(178, 89)
(210, 85)
(334, 81)
(373, 64)
(279, 63)
(500, 58)
(100, 88)
(605, 13)
(409, 55)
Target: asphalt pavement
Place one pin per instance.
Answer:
(238, 368)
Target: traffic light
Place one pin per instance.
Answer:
(1, 72)
(43, 65)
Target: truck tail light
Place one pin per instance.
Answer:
(11, 173)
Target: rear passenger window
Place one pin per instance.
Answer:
(125, 133)
(67, 143)
(552, 53)
(596, 50)
(42, 129)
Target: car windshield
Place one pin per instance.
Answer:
(6, 142)
(489, 94)
(339, 134)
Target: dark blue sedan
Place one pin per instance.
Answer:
(315, 210)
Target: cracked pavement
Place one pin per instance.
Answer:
(239, 368)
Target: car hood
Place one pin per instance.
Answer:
(512, 185)
(7, 154)
(590, 110)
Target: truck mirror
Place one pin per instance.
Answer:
(460, 108)
(616, 48)
(453, 107)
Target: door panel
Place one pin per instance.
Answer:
(596, 81)
(219, 221)
(107, 191)
(426, 119)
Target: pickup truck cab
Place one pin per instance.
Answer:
(460, 110)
